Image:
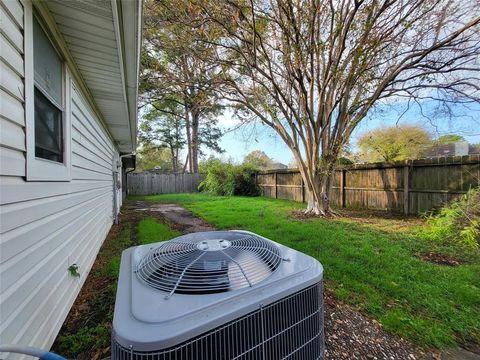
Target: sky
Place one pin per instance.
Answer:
(251, 137)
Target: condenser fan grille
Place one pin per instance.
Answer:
(210, 262)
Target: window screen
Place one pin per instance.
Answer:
(48, 97)
(48, 129)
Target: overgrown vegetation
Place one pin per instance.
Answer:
(373, 268)
(225, 178)
(458, 222)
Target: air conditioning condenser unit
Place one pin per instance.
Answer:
(218, 295)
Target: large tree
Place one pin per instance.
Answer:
(394, 143)
(312, 69)
(163, 125)
(172, 73)
(151, 156)
(450, 139)
(258, 159)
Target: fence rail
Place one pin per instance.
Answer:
(146, 183)
(410, 187)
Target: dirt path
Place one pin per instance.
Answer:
(174, 214)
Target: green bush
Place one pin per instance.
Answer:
(245, 183)
(225, 178)
(219, 179)
(344, 161)
(458, 222)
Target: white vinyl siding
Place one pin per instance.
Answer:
(46, 226)
(12, 115)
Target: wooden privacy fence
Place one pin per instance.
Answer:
(410, 187)
(146, 183)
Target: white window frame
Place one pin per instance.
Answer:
(39, 169)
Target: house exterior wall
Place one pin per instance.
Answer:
(46, 226)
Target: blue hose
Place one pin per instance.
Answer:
(51, 356)
(28, 350)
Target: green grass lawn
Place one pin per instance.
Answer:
(368, 265)
(150, 230)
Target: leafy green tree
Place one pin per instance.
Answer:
(151, 156)
(163, 125)
(393, 143)
(449, 139)
(170, 72)
(209, 135)
(259, 160)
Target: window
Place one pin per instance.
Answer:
(48, 99)
(48, 129)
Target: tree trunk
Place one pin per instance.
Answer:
(174, 160)
(194, 143)
(177, 161)
(185, 165)
(189, 141)
(318, 186)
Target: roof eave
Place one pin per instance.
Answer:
(128, 17)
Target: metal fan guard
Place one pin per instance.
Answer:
(209, 262)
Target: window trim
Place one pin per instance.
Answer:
(38, 169)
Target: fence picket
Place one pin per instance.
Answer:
(413, 187)
(151, 183)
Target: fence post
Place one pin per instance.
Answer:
(406, 185)
(342, 188)
(276, 191)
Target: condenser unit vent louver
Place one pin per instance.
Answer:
(218, 295)
(195, 265)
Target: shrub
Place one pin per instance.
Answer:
(458, 222)
(219, 179)
(225, 178)
(344, 161)
(245, 183)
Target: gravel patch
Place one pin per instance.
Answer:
(351, 335)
